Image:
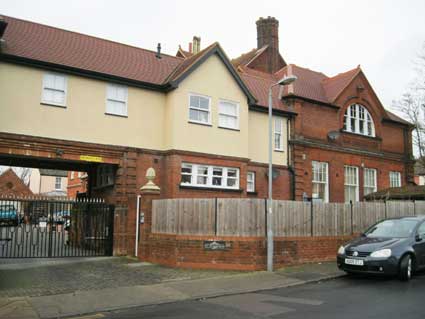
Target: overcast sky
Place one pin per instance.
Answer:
(384, 37)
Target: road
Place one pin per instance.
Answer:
(346, 297)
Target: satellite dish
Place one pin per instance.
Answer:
(334, 135)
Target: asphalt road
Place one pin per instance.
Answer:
(346, 297)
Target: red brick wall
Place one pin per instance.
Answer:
(76, 185)
(245, 253)
(12, 185)
(336, 162)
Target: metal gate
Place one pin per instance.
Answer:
(38, 228)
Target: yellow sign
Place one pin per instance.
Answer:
(89, 158)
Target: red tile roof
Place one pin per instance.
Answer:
(335, 85)
(48, 44)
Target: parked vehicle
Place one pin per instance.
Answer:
(391, 247)
(8, 215)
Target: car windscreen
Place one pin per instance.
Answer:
(399, 228)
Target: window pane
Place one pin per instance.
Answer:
(228, 108)
(194, 101)
(232, 173)
(199, 116)
(203, 103)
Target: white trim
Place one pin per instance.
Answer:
(367, 118)
(326, 182)
(250, 173)
(125, 101)
(351, 185)
(224, 177)
(278, 149)
(231, 115)
(65, 91)
(398, 178)
(199, 109)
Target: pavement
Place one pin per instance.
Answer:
(67, 288)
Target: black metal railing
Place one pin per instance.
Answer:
(45, 227)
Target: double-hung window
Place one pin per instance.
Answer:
(320, 181)
(351, 183)
(228, 115)
(395, 179)
(116, 100)
(54, 89)
(199, 109)
(209, 176)
(370, 183)
(278, 134)
(250, 182)
(58, 183)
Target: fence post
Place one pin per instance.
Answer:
(351, 211)
(385, 203)
(215, 213)
(311, 217)
(265, 216)
(414, 207)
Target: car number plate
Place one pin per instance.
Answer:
(355, 262)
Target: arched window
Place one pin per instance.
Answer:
(358, 120)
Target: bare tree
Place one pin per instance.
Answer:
(412, 106)
(24, 174)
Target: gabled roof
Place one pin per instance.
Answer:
(191, 63)
(183, 53)
(11, 184)
(37, 42)
(335, 85)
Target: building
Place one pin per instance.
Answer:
(198, 118)
(48, 182)
(419, 173)
(12, 185)
(77, 184)
(356, 147)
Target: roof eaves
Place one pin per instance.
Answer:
(77, 71)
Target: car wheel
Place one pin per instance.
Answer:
(406, 268)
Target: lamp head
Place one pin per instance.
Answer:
(287, 80)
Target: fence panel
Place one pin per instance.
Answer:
(400, 209)
(291, 218)
(331, 219)
(366, 214)
(420, 207)
(189, 216)
(240, 217)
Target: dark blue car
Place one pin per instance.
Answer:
(8, 215)
(391, 247)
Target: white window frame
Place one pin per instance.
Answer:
(56, 183)
(44, 87)
(109, 86)
(199, 109)
(395, 179)
(250, 180)
(221, 113)
(210, 169)
(317, 181)
(352, 184)
(275, 120)
(366, 117)
(367, 171)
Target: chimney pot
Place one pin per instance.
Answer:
(196, 44)
(190, 47)
(158, 51)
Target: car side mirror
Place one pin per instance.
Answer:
(418, 237)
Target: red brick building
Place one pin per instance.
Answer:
(77, 184)
(343, 142)
(12, 185)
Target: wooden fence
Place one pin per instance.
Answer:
(247, 217)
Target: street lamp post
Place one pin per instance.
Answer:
(285, 81)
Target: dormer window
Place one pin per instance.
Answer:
(357, 119)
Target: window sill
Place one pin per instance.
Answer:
(117, 115)
(229, 128)
(63, 106)
(361, 135)
(278, 150)
(200, 123)
(252, 193)
(215, 189)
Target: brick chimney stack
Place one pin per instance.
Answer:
(268, 34)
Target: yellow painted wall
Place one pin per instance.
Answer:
(214, 80)
(259, 142)
(155, 120)
(84, 118)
